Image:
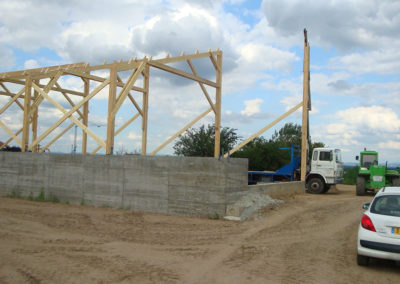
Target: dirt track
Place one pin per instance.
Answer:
(307, 239)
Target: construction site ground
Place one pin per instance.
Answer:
(305, 239)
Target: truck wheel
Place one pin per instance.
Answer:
(316, 186)
(396, 182)
(362, 260)
(360, 187)
(327, 187)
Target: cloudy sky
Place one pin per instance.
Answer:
(355, 62)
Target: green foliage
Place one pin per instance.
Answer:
(265, 154)
(41, 197)
(216, 216)
(15, 193)
(350, 175)
(200, 142)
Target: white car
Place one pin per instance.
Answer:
(379, 231)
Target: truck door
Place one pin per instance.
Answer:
(324, 163)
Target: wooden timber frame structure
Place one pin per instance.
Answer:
(33, 93)
(306, 107)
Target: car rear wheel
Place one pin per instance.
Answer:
(362, 260)
(360, 187)
(316, 186)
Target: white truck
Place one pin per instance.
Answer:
(326, 170)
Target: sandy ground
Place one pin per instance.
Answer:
(306, 239)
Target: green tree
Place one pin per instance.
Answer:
(200, 142)
(266, 154)
(289, 134)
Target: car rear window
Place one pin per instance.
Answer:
(386, 205)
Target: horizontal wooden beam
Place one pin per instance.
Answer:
(100, 79)
(182, 73)
(21, 82)
(42, 71)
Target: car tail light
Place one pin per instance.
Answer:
(366, 223)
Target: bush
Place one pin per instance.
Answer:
(350, 175)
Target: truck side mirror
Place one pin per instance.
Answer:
(356, 158)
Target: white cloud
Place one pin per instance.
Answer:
(382, 61)
(30, 64)
(134, 136)
(252, 107)
(390, 145)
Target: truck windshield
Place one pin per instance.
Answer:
(338, 155)
(368, 160)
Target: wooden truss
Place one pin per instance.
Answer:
(32, 93)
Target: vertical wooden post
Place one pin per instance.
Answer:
(85, 121)
(111, 102)
(218, 92)
(306, 93)
(145, 108)
(27, 109)
(35, 120)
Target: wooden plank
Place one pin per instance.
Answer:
(21, 82)
(186, 57)
(46, 90)
(57, 137)
(306, 106)
(118, 131)
(41, 70)
(100, 79)
(182, 73)
(110, 117)
(35, 119)
(218, 106)
(258, 133)
(131, 98)
(69, 113)
(181, 131)
(145, 113)
(11, 134)
(128, 86)
(27, 115)
(202, 86)
(86, 90)
(70, 102)
(215, 63)
(11, 139)
(13, 99)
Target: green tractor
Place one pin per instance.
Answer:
(372, 176)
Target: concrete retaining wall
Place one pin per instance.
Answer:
(277, 189)
(172, 185)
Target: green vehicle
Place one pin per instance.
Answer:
(372, 176)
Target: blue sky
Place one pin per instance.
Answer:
(355, 63)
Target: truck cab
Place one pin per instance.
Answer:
(326, 170)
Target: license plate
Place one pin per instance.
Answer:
(377, 178)
(396, 230)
